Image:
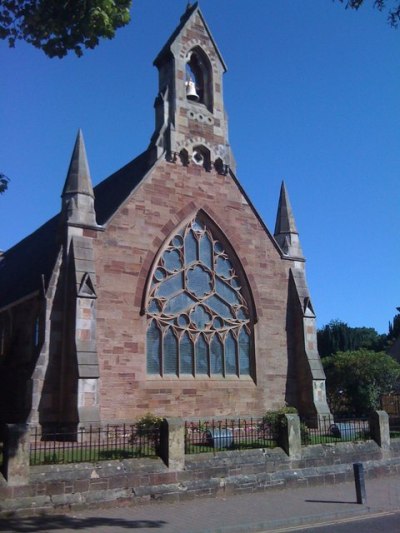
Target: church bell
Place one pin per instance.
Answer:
(191, 93)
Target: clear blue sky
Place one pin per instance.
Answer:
(312, 92)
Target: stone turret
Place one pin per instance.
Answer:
(306, 367)
(79, 368)
(286, 234)
(77, 196)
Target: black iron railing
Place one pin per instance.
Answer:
(329, 429)
(230, 434)
(394, 427)
(391, 404)
(93, 444)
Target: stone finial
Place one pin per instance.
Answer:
(77, 196)
(286, 233)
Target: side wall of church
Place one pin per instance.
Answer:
(125, 253)
(21, 338)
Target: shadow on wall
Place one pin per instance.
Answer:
(292, 334)
(61, 522)
(58, 401)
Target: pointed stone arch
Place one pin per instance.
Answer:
(199, 71)
(199, 308)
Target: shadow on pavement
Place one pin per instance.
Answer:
(330, 501)
(53, 522)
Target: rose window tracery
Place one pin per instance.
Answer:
(199, 319)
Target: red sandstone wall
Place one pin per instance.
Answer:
(124, 254)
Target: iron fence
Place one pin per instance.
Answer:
(394, 427)
(327, 429)
(217, 435)
(93, 444)
(391, 404)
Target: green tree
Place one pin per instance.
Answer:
(394, 328)
(356, 380)
(392, 7)
(3, 183)
(337, 336)
(60, 27)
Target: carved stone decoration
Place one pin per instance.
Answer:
(86, 289)
(184, 157)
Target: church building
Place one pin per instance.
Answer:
(161, 289)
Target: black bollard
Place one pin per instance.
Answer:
(360, 482)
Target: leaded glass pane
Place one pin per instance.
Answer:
(216, 355)
(218, 323)
(235, 283)
(200, 318)
(179, 303)
(186, 349)
(183, 320)
(241, 314)
(170, 353)
(153, 349)
(201, 356)
(197, 225)
(217, 305)
(218, 247)
(199, 281)
(154, 307)
(172, 260)
(160, 274)
(223, 267)
(170, 286)
(227, 293)
(244, 353)
(190, 248)
(230, 354)
(206, 251)
(177, 241)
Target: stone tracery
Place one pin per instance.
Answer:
(199, 320)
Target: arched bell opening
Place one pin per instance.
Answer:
(198, 81)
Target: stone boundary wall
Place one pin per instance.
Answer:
(73, 487)
(177, 477)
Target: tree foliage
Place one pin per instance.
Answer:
(3, 183)
(58, 27)
(394, 328)
(337, 336)
(356, 380)
(392, 7)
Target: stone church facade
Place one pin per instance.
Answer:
(160, 290)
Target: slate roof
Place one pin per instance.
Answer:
(23, 265)
(110, 193)
(27, 265)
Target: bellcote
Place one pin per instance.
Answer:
(191, 122)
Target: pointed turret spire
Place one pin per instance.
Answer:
(286, 233)
(77, 196)
(78, 177)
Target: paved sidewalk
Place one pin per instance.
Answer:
(261, 511)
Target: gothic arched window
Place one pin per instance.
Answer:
(199, 321)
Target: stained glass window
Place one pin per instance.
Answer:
(199, 319)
